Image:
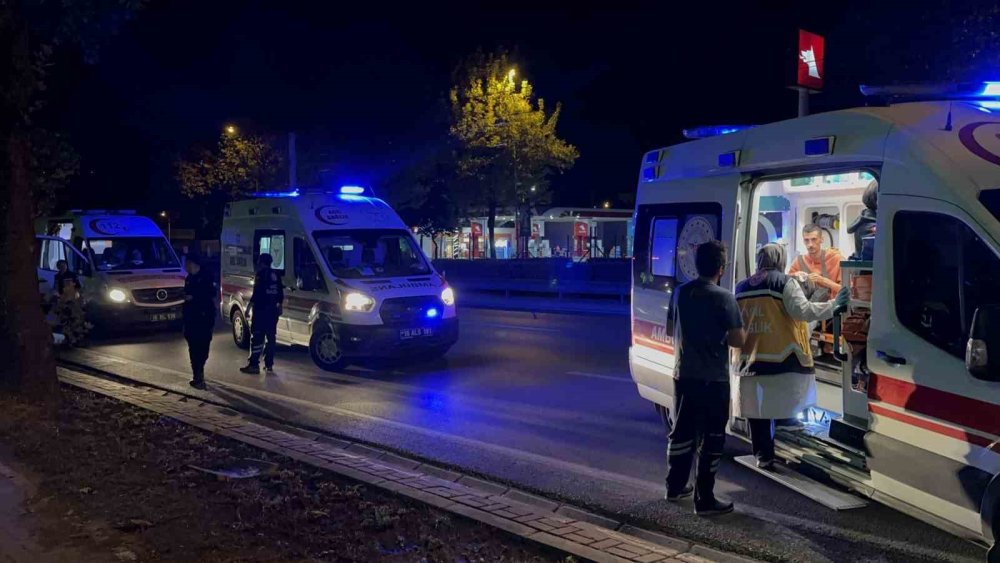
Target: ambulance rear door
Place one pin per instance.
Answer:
(672, 218)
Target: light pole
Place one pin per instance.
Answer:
(166, 216)
(230, 130)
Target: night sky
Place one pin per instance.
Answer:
(371, 83)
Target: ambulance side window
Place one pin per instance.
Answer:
(307, 272)
(943, 273)
(270, 242)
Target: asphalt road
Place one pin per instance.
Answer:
(544, 402)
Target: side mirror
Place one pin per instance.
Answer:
(982, 352)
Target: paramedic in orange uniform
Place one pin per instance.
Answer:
(822, 265)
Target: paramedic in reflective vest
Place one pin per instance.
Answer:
(706, 324)
(199, 317)
(821, 265)
(268, 295)
(775, 376)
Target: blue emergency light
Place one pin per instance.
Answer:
(352, 190)
(713, 131)
(985, 94)
(432, 313)
(291, 193)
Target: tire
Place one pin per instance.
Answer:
(324, 347)
(241, 329)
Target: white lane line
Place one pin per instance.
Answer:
(600, 376)
(515, 327)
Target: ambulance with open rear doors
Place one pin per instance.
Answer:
(357, 284)
(909, 414)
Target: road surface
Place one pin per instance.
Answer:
(543, 402)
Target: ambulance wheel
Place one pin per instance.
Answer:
(241, 329)
(324, 347)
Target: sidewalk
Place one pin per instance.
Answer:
(580, 306)
(536, 520)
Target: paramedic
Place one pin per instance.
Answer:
(775, 377)
(821, 265)
(268, 294)
(199, 317)
(706, 323)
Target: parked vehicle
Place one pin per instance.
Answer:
(357, 284)
(129, 273)
(909, 414)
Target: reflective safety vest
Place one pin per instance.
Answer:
(776, 343)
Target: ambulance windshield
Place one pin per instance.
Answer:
(371, 253)
(131, 253)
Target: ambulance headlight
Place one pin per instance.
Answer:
(448, 296)
(117, 295)
(355, 301)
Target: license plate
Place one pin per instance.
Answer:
(408, 333)
(157, 317)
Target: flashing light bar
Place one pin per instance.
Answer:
(292, 193)
(352, 190)
(714, 131)
(915, 92)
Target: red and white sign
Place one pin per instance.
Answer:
(581, 229)
(536, 230)
(811, 56)
(477, 229)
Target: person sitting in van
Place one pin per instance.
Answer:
(775, 375)
(137, 257)
(819, 266)
(63, 273)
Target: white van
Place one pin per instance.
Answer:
(913, 419)
(357, 284)
(131, 276)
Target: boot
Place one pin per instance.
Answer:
(251, 369)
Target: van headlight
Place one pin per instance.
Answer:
(355, 301)
(448, 296)
(117, 295)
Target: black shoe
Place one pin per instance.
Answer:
(765, 463)
(712, 508)
(251, 369)
(681, 494)
(269, 370)
(198, 385)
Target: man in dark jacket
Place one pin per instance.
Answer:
(268, 295)
(199, 317)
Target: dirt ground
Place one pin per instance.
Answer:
(105, 481)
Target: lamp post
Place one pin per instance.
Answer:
(166, 216)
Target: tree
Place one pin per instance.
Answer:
(422, 192)
(31, 32)
(507, 141)
(241, 165)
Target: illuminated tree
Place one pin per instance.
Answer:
(240, 165)
(507, 140)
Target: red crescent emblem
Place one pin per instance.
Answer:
(967, 136)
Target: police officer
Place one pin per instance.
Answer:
(268, 294)
(199, 317)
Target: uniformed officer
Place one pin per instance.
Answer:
(199, 317)
(268, 294)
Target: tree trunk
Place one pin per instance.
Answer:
(491, 227)
(27, 364)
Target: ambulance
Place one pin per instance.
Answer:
(907, 414)
(357, 284)
(131, 276)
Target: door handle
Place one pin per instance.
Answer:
(890, 359)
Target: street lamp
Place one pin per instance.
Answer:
(166, 216)
(511, 73)
(607, 205)
(230, 129)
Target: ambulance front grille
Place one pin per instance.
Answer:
(156, 296)
(407, 310)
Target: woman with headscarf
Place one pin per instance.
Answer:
(775, 374)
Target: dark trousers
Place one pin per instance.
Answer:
(198, 344)
(263, 331)
(762, 438)
(702, 410)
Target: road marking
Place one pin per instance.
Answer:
(600, 376)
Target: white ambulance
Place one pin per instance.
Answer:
(131, 276)
(357, 284)
(910, 415)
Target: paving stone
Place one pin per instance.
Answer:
(491, 520)
(593, 532)
(678, 545)
(606, 543)
(692, 558)
(584, 516)
(419, 495)
(651, 558)
(635, 550)
(398, 461)
(444, 492)
(472, 500)
(583, 551)
(519, 509)
(497, 507)
(331, 441)
(557, 521)
(362, 450)
(534, 500)
(564, 530)
(483, 486)
(439, 472)
(578, 539)
(619, 551)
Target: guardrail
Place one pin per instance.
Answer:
(541, 276)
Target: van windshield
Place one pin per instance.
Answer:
(131, 253)
(371, 253)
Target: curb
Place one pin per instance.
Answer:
(532, 518)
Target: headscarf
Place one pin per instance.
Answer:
(771, 257)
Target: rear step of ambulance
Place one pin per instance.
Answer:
(812, 449)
